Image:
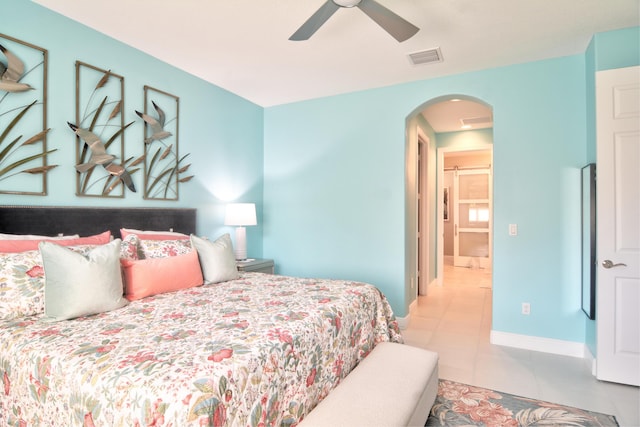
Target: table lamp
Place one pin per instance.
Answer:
(240, 215)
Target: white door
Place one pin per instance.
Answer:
(618, 225)
(472, 216)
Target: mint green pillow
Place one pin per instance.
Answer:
(217, 260)
(79, 285)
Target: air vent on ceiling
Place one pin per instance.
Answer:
(426, 56)
(475, 121)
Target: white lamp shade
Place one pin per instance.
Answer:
(240, 214)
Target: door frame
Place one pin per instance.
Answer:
(440, 153)
(423, 214)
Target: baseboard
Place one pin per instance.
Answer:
(545, 345)
(403, 322)
(591, 359)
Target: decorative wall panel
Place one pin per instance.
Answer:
(163, 168)
(23, 118)
(103, 170)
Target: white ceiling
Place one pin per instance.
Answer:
(243, 46)
(451, 115)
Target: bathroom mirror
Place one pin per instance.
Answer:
(588, 189)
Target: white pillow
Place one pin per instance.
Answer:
(217, 260)
(78, 285)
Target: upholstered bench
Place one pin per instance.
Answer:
(395, 385)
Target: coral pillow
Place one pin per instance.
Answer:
(4, 236)
(13, 246)
(153, 235)
(153, 276)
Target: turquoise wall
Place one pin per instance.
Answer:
(334, 204)
(617, 49)
(221, 131)
(473, 139)
(334, 189)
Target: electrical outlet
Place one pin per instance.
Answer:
(526, 308)
(513, 229)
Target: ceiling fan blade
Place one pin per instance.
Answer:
(315, 21)
(393, 24)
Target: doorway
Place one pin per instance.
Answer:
(467, 206)
(457, 125)
(459, 130)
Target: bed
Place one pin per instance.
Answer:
(255, 350)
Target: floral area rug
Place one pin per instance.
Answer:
(464, 405)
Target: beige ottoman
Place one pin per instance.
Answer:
(395, 385)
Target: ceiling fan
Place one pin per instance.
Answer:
(393, 24)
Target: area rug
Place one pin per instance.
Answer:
(464, 405)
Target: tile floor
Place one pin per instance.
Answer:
(454, 320)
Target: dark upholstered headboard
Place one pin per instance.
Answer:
(86, 221)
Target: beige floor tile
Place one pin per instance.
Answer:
(454, 320)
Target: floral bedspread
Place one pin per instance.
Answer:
(262, 350)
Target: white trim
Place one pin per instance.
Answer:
(591, 359)
(423, 206)
(545, 345)
(403, 322)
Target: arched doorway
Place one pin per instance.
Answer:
(452, 126)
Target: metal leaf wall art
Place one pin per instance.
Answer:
(23, 118)
(163, 168)
(99, 126)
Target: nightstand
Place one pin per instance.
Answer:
(256, 265)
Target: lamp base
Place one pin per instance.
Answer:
(240, 248)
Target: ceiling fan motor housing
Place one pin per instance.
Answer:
(347, 3)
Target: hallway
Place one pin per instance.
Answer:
(454, 320)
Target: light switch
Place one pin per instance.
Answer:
(513, 229)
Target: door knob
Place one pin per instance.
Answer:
(607, 263)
